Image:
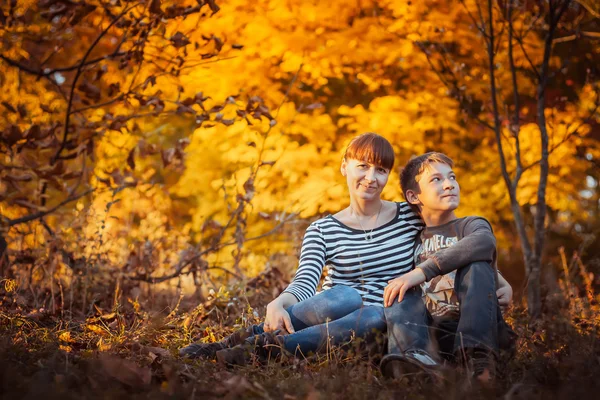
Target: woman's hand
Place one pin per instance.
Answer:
(277, 318)
(398, 287)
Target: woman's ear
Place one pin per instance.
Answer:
(412, 197)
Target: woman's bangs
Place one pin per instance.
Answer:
(374, 149)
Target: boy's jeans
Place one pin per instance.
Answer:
(337, 315)
(480, 324)
(408, 323)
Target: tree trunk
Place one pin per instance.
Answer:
(534, 297)
(3, 256)
(539, 221)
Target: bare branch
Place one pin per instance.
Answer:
(532, 66)
(495, 109)
(453, 88)
(40, 214)
(48, 72)
(481, 28)
(591, 35)
(79, 69)
(540, 215)
(515, 127)
(588, 8)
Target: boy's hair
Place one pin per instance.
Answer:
(372, 148)
(416, 166)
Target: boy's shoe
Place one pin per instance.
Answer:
(202, 350)
(410, 363)
(262, 348)
(481, 365)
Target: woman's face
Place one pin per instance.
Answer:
(365, 180)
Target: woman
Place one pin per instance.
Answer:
(365, 245)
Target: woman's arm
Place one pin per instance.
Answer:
(304, 284)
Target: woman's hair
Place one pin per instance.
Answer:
(372, 148)
(416, 166)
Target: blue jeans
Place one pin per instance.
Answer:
(408, 323)
(334, 315)
(480, 324)
(337, 314)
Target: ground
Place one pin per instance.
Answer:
(123, 350)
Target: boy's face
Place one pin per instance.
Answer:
(439, 190)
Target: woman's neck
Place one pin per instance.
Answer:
(366, 208)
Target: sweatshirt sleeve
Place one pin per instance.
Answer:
(478, 243)
(310, 268)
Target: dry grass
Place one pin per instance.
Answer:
(124, 350)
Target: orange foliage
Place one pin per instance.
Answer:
(199, 127)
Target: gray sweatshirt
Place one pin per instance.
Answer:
(477, 243)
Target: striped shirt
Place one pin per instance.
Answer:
(366, 266)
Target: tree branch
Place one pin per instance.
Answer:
(496, 112)
(79, 69)
(47, 72)
(515, 128)
(40, 214)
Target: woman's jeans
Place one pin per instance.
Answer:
(334, 316)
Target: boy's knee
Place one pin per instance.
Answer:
(481, 266)
(410, 305)
(479, 271)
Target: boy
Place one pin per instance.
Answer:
(462, 303)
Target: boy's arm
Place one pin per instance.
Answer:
(478, 244)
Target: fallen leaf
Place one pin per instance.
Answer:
(164, 353)
(125, 371)
(65, 337)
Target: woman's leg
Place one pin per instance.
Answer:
(267, 346)
(328, 305)
(359, 323)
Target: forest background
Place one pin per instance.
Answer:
(160, 161)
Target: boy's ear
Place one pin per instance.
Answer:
(412, 197)
(343, 167)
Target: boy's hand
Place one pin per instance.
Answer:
(504, 294)
(399, 286)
